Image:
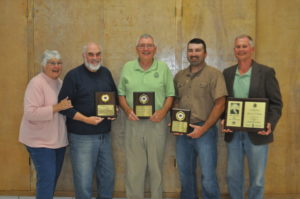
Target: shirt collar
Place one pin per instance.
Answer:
(248, 73)
(153, 67)
(49, 79)
(190, 74)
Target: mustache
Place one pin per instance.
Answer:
(194, 57)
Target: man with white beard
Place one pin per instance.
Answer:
(89, 137)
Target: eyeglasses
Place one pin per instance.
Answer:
(145, 45)
(90, 54)
(55, 63)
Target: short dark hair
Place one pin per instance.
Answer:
(198, 41)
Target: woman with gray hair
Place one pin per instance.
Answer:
(43, 130)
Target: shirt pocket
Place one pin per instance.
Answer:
(201, 89)
(181, 88)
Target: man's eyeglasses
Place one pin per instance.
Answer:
(90, 54)
(55, 63)
(145, 46)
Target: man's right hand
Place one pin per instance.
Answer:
(131, 115)
(224, 130)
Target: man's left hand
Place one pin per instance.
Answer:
(197, 132)
(269, 130)
(158, 116)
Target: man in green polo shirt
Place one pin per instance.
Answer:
(145, 138)
(200, 88)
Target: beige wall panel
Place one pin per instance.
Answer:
(278, 45)
(14, 167)
(218, 23)
(66, 26)
(124, 23)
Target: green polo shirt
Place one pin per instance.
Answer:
(241, 83)
(158, 78)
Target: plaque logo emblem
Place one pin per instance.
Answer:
(143, 99)
(105, 98)
(180, 115)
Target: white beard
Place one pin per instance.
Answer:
(92, 67)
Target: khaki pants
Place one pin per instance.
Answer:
(145, 145)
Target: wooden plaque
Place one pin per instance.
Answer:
(246, 114)
(106, 104)
(144, 104)
(180, 120)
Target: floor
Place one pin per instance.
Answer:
(32, 197)
(292, 196)
(271, 196)
(29, 197)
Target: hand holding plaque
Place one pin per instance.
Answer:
(246, 114)
(106, 104)
(144, 104)
(180, 120)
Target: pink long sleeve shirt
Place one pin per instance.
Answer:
(40, 127)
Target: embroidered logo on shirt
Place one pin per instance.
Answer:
(156, 75)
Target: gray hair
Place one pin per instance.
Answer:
(84, 48)
(49, 54)
(245, 36)
(145, 36)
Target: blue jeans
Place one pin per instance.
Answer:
(92, 154)
(48, 163)
(257, 155)
(187, 150)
